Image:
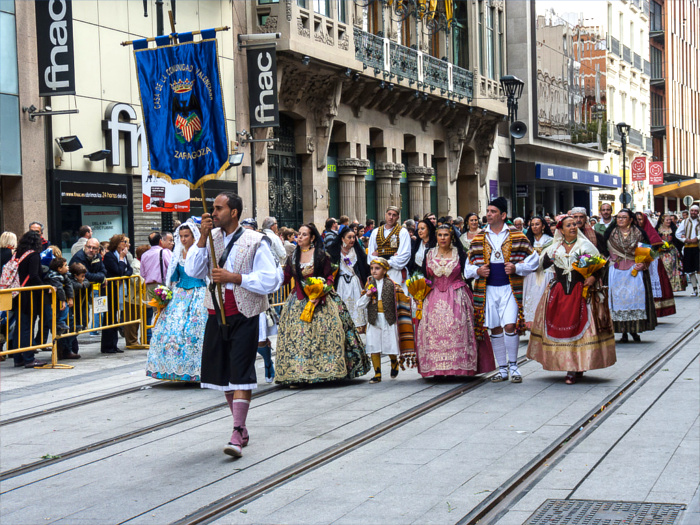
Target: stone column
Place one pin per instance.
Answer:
(428, 174)
(347, 171)
(383, 172)
(416, 176)
(396, 187)
(360, 195)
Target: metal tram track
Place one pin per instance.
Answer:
(84, 402)
(36, 465)
(497, 504)
(493, 505)
(223, 506)
(80, 403)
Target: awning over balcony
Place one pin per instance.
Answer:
(552, 172)
(678, 190)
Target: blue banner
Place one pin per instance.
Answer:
(183, 111)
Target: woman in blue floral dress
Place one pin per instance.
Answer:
(175, 353)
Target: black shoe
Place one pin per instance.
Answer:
(119, 350)
(110, 351)
(35, 363)
(71, 355)
(19, 365)
(624, 338)
(636, 338)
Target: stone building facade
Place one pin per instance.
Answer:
(376, 109)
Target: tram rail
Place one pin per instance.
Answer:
(494, 505)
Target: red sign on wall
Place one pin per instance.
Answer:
(639, 169)
(656, 173)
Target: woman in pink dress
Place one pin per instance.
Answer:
(445, 340)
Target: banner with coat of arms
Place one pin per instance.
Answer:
(183, 111)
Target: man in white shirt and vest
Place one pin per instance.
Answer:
(688, 232)
(393, 243)
(246, 271)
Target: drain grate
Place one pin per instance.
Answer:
(587, 512)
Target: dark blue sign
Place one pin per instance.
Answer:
(183, 111)
(577, 176)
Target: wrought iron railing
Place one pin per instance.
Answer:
(404, 62)
(638, 61)
(369, 49)
(463, 82)
(635, 138)
(649, 144)
(614, 45)
(647, 68)
(435, 73)
(627, 54)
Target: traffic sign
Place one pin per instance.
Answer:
(688, 200)
(625, 198)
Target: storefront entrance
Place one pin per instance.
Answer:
(102, 201)
(284, 177)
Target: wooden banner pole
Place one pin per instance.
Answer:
(213, 260)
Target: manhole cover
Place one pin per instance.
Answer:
(586, 512)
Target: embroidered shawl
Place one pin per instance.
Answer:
(516, 248)
(388, 245)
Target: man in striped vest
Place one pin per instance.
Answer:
(247, 271)
(499, 259)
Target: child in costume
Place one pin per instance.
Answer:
(386, 305)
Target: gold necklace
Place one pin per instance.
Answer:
(309, 248)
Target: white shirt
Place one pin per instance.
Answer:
(695, 227)
(400, 259)
(496, 240)
(266, 276)
(276, 245)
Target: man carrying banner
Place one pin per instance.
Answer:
(247, 273)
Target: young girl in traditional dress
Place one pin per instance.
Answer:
(381, 298)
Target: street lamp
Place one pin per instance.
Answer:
(513, 88)
(623, 129)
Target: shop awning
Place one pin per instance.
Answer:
(587, 178)
(678, 190)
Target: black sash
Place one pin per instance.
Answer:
(226, 330)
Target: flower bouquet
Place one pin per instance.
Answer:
(587, 265)
(160, 297)
(418, 286)
(314, 288)
(665, 247)
(643, 254)
(370, 289)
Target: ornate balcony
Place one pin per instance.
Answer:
(435, 73)
(638, 61)
(403, 62)
(463, 82)
(369, 49)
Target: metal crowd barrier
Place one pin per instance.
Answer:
(280, 296)
(118, 302)
(21, 314)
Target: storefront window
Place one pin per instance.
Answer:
(10, 146)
